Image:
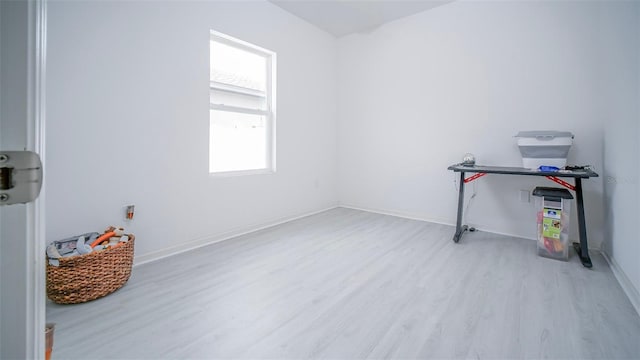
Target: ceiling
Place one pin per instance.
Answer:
(343, 17)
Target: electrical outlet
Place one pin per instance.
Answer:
(525, 196)
(129, 210)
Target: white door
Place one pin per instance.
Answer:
(22, 295)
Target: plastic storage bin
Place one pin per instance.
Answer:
(554, 211)
(544, 148)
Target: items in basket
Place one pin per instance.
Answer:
(85, 244)
(86, 277)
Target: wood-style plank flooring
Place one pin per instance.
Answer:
(347, 284)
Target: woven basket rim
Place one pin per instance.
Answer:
(93, 253)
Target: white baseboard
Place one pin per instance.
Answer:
(208, 240)
(625, 283)
(404, 215)
(412, 216)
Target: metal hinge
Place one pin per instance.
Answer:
(20, 177)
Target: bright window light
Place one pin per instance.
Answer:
(238, 142)
(242, 98)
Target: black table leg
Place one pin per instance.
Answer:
(460, 229)
(582, 248)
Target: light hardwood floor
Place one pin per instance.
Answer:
(347, 284)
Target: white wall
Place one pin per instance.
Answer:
(417, 94)
(127, 116)
(620, 38)
(128, 121)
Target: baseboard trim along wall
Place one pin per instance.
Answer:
(431, 220)
(625, 283)
(412, 216)
(403, 215)
(212, 239)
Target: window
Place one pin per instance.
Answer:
(241, 106)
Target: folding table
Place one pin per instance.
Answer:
(581, 248)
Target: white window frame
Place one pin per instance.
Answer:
(270, 98)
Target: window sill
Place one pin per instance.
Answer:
(241, 173)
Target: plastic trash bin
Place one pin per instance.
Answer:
(553, 207)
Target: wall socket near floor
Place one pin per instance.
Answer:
(525, 196)
(128, 212)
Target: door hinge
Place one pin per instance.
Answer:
(20, 177)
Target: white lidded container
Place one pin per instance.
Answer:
(544, 148)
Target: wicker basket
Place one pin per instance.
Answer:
(87, 277)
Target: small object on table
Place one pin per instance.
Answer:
(548, 168)
(577, 167)
(468, 159)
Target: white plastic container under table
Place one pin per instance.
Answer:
(553, 208)
(544, 148)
